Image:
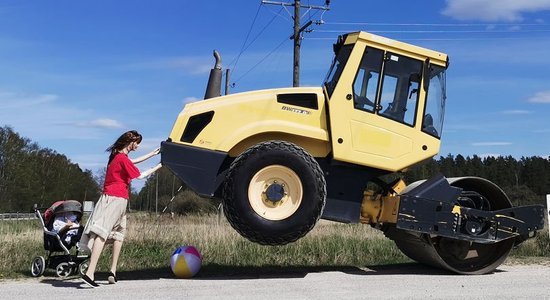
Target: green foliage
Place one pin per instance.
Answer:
(526, 181)
(537, 247)
(189, 202)
(30, 174)
(151, 240)
(165, 185)
(523, 195)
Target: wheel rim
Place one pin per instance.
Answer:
(275, 192)
(63, 269)
(37, 266)
(83, 267)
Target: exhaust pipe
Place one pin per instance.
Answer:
(213, 89)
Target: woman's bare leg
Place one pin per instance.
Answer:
(91, 240)
(99, 242)
(117, 246)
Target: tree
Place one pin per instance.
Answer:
(30, 174)
(165, 184)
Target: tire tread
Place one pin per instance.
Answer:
(257, 235)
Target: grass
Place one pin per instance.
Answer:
(151, 240)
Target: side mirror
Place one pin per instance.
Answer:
(414, 91)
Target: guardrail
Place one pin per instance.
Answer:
(17, 216)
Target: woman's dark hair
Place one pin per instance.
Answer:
(124, 140)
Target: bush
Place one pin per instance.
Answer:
(188, 202)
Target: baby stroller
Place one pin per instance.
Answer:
(57, 244)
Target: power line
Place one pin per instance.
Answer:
(246, 39)
(438, 31)
(438, 39)
(437, 24)
(297, 36)
(279, 14)
(251, 42)
(262, 60)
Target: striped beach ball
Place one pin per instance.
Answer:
(186, 262)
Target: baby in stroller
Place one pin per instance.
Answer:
(68, 228)
(62, 231)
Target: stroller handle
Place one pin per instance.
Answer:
(39, 216)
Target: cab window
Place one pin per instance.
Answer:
(366, 81)
(400, 88)
(435, 102)
(336, 68)
(395, 95)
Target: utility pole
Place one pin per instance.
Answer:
(157, 195)
(298, 29)
(297, 43)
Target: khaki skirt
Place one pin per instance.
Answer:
(108, 220)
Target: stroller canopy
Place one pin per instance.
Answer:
(63, 206)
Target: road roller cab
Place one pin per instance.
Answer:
(280, 159)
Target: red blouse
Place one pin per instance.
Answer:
(120, 173)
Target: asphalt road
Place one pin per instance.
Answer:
(407, 281)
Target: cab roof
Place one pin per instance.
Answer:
(395, 46)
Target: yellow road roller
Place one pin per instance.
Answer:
(281, 159)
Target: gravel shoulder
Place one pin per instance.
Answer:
(515, 280)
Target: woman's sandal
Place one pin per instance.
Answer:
(111, 278)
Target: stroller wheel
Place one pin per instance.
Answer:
(83, 267)
(38, 266)
(63, 269)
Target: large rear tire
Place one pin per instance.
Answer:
(274, 193)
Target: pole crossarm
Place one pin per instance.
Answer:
(298, 29)
(301, 29)
(292, 4)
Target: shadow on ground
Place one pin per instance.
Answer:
(226, 272)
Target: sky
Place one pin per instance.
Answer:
(74, 75)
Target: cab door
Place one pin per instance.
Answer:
(376, 110)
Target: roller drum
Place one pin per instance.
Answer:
(461, 257)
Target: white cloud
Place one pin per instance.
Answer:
(485, 144)
(10, 100)
(491, 53)
(105, 123)
(149, 144)
(190, 99)
(46, 116)
(196, 65)
(540, 97)
(91, 161)
(515, 112)
(491, 10)
(98, 160)
(97, 123)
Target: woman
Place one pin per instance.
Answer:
(108, 220)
